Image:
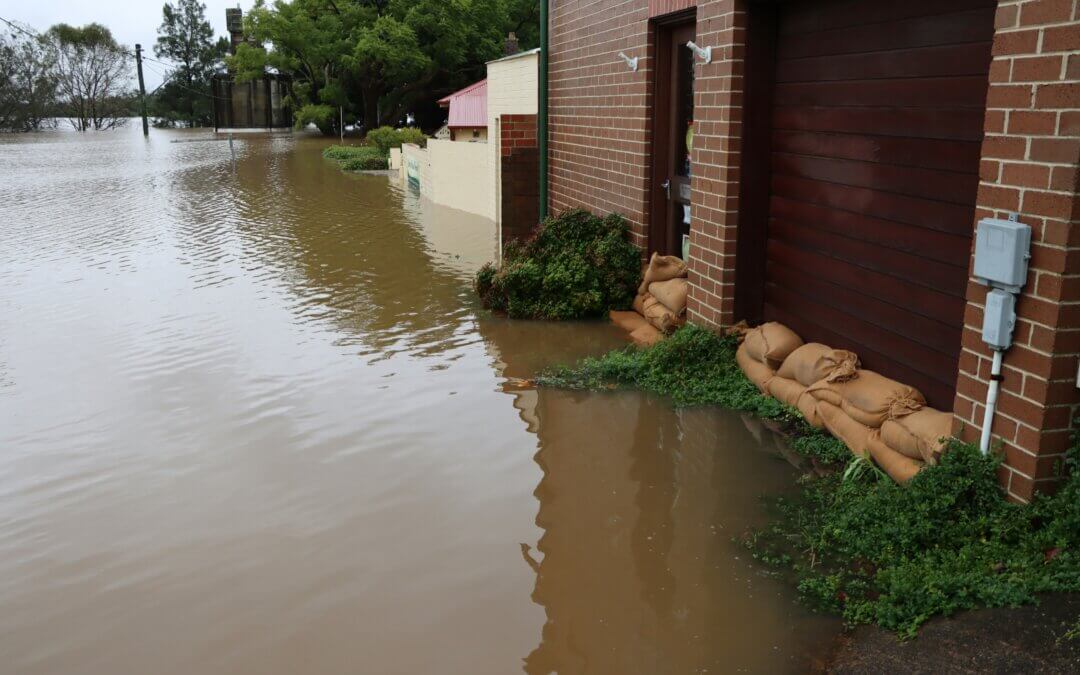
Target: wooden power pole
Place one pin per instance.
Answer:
(142, 90)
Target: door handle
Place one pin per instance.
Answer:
(667, 187)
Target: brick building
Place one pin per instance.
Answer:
(828, 166)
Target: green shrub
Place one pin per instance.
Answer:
(373, 162)
(356, 157)
(695, 366)
(385, 138)
(322, 116)
(576, 266)
(877, 552)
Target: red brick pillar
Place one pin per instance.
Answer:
(1029, 165)
(718, 102)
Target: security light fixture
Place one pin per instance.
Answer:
(631, 62)
(704, 53)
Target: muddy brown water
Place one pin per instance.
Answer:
(253, 421)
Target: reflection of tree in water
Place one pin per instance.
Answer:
(342, 244)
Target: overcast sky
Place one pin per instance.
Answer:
(131, 21)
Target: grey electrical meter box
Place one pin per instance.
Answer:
(999, 319)
(1002, 250)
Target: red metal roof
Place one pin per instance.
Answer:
(468, 107)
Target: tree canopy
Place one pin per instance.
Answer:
(380, 58)
(186, 38)
(93, 76)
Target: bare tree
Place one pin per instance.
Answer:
(27, 85)
(93, 75)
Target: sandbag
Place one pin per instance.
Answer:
(771, 343)
(922, 435)
(671, 294)
(788, 391)
(814, 362)
(646, 335)
(655, 312)
(900, 468)
(662, 268)
(628, 321)
(807, 405)
(870, 398)
(839, 424)
(758, 372)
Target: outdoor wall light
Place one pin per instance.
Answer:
(704, 53)
(632, 62)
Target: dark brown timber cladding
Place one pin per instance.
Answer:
(877, 127)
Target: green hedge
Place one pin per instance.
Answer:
(576, 266)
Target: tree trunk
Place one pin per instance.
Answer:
(371, 109)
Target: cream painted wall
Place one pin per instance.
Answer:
(462, 176)
(513, 89)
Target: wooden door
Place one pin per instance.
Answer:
(876, 129)
(673, 116)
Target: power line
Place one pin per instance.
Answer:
(32, 32)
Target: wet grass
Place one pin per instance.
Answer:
(856, 543)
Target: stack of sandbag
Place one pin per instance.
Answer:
(855, 409)
(641, 331)
(806, 366)
(904, 445)
(763, 350)
(661, 298)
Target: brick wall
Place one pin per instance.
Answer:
(519, 159)
(600, 150)
(1029, 165)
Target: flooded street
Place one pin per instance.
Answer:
(252, 420)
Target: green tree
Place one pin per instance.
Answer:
(27, 83)
(186, 38)
(93, 76)
(379, 57)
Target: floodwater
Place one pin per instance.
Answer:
(253, 421)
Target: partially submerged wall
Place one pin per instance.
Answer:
(456, 175)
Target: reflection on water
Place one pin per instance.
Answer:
(252, 421)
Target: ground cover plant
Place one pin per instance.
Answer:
(856, 543)
(575, 266)
(374, 154)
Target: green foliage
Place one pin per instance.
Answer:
(382, 58)
(93, 76)
(324, 117)
(877, 552)
(576, 266)
(694, 366)
(186, 38)
(356, 158)
(385, 138)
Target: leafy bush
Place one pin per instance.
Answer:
(356, 158)
(695, 366)
(385, 138)
(322, 116)
(857, 543)
(371, 162)
(877, 552)
(576, 266)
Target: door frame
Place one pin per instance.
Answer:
(662, 111)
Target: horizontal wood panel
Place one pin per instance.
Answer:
(944, 186)
(942, 216)
(912, 353)
(975, 25)
(942, 122)
(938, 392)
(813, 17)
(920, 300)
(925, 243)
(936, 335)
(875, 256)
(960, 92)
(945, 155)
(941, 61)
